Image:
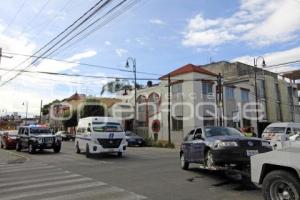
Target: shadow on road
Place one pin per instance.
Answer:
(232, 181)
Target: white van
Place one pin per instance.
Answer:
(100, 135)
(286, 131)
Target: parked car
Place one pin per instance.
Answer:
(280, 131)
(220, 147)
(278, 172)
(66, 136)
(8, 139)
(134, 140)
(37, 137)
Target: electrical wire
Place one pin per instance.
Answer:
(64, 31)
(15, 16)
(81, 63)
(60, 34)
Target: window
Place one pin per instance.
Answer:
(177, 123)
(277, 92)
(229, 93)
(142, 111)
(261, 88)
(198, 134)
(190, 136)
(244, 95)
(207, 88)
(153, 104)
(278, 112)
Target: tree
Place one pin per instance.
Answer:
(72, 121)
(92, 108)
(115, 86)
(45, 109)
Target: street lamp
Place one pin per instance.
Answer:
(255, 83)
(133, 60)
(26, 104)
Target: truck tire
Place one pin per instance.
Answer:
(119, 154)
(184, 165)
(77, 148)
(31, 149)
(18, 146)
(87, 151)
(280, 184)
(57, 149)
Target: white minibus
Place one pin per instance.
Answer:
(100, 135)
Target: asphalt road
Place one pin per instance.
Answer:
(143, 173)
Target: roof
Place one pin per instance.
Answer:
(189, 68)
(293, 75)
(76, 97)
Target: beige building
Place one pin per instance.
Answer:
(278, 96)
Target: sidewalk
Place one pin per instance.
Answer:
(8, 157)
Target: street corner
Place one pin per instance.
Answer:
(10, 157)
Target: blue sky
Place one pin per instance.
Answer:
(161, 35)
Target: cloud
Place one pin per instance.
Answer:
(157, 22)
(273, 58)
(107, 43)
(121, 52)
(256, 22)
(33, 87)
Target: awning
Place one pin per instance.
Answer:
(293, 75)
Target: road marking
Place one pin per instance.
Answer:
(29, 169)
(18, 155)
(50, 183)
(35, 186)
(39, 180)
(51, 191)
(11, 178)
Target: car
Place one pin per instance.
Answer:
(134, 140)
(278, 173)
(215, 147)
(66, 136)
(97, 135)
(8, 139)
(37, 137)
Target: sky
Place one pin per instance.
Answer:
(160, 35)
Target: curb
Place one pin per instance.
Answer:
(19, 159)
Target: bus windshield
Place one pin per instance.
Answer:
(107, 127)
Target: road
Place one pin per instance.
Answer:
(143, 173)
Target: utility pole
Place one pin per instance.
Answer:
(133, 60)
(169, 109)
(41, 110)
(220, 100)
(256, 92)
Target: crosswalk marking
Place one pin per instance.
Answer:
(40, 181)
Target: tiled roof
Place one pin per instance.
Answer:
(189, 68)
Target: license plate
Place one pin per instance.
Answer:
(252, 152)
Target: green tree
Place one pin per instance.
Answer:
(72, 121)
(45, 108)
(92, 108)
(117, 85)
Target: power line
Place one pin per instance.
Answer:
(90, 25)
(81, 63)
(35, 16)
(101, 25)
(63, 32)
(15, 16)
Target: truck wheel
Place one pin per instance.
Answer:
(281, 184)
(77, 148)
(18, 147)
(120, 154)
(57, 149)
(31, 149)
(87, 151)
(209, 160)
(184, 165)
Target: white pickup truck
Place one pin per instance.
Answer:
(278, 172)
